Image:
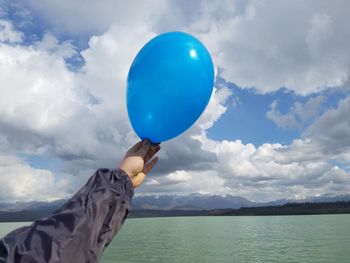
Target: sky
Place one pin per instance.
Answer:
(277, 125)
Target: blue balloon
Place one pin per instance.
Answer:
(169, 85)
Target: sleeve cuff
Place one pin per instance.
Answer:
(119, 175)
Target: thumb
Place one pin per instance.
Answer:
(138, 179)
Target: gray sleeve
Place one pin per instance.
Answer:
(81, 229)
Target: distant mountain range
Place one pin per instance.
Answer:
(177, 202)
(27, 206)
(190, 202)
(200, 202)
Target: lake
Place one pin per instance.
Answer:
(316, 238)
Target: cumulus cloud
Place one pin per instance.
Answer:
(94, 17)
(332, 131)
(287, 121)
(258, 44)
(267, 46)
(277, 170)
(8, 34)
(326, 139)
(80, 117)
(272, 171)
(37, 94)
(299, 115)
(50, 44)
(20, 181)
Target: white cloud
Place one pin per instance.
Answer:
(94, 17)
(299, 115)
(37, 95)
(46, 108)
(20, 181)
(80, 117)
(50, 44)
(179, 176)
(331, 132)
(184, 182)
(8, 34)
(287, 121)
(268, 46)
(258, 44)
(309, 109)
(271, 171)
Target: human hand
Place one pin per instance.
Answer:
(138, 161)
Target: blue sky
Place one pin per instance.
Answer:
(277, 121)
(246, 117)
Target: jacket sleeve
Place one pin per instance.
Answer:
(81, 229)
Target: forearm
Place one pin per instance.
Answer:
(80, 230)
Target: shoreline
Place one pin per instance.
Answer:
(288, 209)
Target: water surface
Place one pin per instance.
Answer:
(316, 238)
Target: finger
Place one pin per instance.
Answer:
(146, 144)
(138, 179)
(149, 166)
(153, 150)
(136, 147)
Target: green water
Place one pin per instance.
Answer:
(318, 238)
